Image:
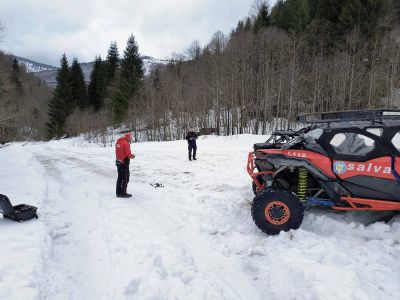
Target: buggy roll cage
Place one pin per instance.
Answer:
(369, 115)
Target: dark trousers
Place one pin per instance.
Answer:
(123, 179)
(192, 147)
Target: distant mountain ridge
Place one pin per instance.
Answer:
(33, 66)
(48, 73)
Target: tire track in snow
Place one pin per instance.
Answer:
(76, 265)
(182, 262)
(163, 253)
(152, 233)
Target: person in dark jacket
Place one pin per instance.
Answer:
(123, 156)
(191, 137)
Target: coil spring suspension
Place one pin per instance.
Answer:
(302, 184)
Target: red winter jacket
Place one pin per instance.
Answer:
(123, 150)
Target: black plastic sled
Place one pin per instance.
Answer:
(19, 213)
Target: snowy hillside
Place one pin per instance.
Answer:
(194, 238)
(33, 66)
(149, 62)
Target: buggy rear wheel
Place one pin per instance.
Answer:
(274, 211)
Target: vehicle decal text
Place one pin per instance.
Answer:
(296, 154)
(341, 167)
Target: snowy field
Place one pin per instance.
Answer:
(192, 239)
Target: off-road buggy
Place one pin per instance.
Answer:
(348, 161)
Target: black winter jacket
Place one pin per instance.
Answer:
(191, 137)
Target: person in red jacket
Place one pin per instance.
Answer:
(123, 156)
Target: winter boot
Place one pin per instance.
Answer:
(125, 196)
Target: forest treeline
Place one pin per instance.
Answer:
(113, 90)
(23, 102)
(298, 56)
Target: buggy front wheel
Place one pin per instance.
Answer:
(274, 211)
(254, 186)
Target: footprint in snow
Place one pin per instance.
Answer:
(133, 286)
(159, 264)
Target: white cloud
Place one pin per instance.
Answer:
(43, 29)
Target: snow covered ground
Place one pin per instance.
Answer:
(191, 239)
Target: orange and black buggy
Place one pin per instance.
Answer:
(345, 161)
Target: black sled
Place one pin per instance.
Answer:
(19, 213)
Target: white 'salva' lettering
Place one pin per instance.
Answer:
(341, 167)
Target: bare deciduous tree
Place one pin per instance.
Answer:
(255, 82)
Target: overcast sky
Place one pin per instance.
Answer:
(44, 29)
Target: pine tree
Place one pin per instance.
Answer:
(262, 20)
(15, 75)
(130, 79)
(313, 8)
(119, 102)
(112, 62)
(132, 67)
(60, 104)
(350, 16)
(97, 85)
(363, 14)
(240, 27)
(248, 25)
(291, 15)
(303, 13)
(329, 10)
(281, 15)
(78, 86)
